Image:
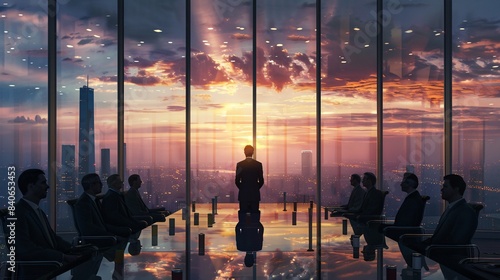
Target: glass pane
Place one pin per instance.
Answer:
(476, 103)
(221, 125)
(348, 121)
(155, 124)
(413, 104)
(86, 100)
(23, 97)
(286, 124)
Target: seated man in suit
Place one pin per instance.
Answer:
(35, 239)
(372, 206)
(115, 212)
(90, 222)
(410, 212)
(135, 203)
(355, 199)
(457, 224)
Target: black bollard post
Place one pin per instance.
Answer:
(216, 205)
(184, 213)
(416, 264)
(176, 274)
(171, 226)
(193, 206)
(391, 272)
(201, 244)
(355, 246)
(196, 219)
(154, 235)
(210, 218)
(310, 230)
(284, 201)
(344, 226)
(326, 213)
(295, 206)
(294, 218)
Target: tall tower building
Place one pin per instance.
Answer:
(86, 145)
(105, 164)
(307, 168)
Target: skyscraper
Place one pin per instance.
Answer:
(307, 164)
(105, 164)
(86, 145)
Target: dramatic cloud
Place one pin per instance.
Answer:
(28, 120)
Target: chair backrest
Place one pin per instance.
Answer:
(71, 204)
(420, 217)
(476, 206)
(385, 193)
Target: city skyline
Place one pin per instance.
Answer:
(221, 91)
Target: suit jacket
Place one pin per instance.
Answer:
(410, 212)
(373, 204)
(89, 219)
(135, 203)
(356, 199)
(115, 212)
(457, 226)
(32, 243)
(249, 179)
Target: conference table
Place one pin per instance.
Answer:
(288, 251)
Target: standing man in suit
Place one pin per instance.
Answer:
(35, 239)
(249, 179)
(90, 222)
(135, 203)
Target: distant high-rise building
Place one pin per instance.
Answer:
(105, 164)
(307, 164)
(86, 145)
(68, 170)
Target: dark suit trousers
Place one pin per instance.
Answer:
(249, 206)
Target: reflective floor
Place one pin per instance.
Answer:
(285, 253)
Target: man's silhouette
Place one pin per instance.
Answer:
(457, 224)
(249, 179)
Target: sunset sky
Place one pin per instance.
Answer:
(221, 78)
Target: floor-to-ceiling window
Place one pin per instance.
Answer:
(413, 90)
(476, 74)
(349, 110)
(221, 95)
(86, 98)
(23, 91)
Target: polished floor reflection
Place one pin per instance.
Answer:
(284, 255)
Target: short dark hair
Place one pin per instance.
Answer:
(132, 178)
(456, 181)
(113, 179)
(370, 176)
(28, 176)
(90, 179)
(412, 179)
(356, 177)
(248, 150)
